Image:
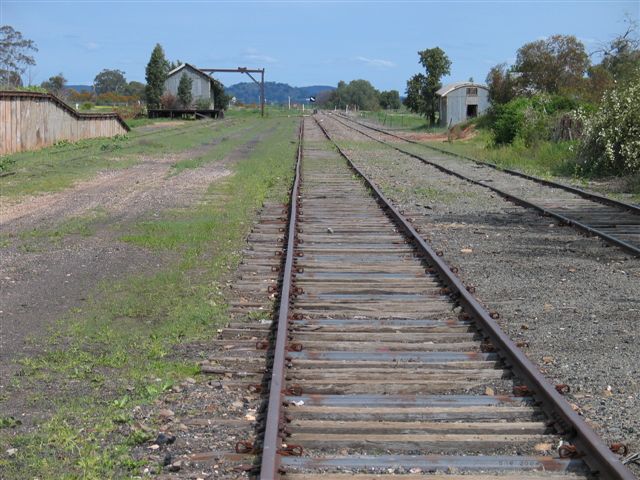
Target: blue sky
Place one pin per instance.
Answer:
(301, 43)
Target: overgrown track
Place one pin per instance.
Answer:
(384, 363)
(616, 222)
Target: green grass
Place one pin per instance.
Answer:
(226, 144)
(80, 225)
(58, 167)
(399, 120)
(545, 159)
(120, 351)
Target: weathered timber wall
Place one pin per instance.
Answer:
(30, 120)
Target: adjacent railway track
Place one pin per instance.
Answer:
(616, 222)
(383, 362)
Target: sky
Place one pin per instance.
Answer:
(301, 42)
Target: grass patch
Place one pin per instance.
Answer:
(546, 159)
(225, 145)
(58, 167)
(400, 121)
(81, 225)
(119, 351)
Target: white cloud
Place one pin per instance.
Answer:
(376, 62)
(91, 45)
(253, 54)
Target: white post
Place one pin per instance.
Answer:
(289, 103)
(303, 108)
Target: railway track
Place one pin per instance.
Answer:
(383, 362)
(618, 223)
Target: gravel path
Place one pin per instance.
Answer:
(42, 279)
(573, 299)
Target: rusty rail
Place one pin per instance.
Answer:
(515, 199)
(270, 463)
(596, 454)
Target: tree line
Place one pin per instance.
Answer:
(359, 94)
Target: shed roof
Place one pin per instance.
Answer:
(454, 86)
(199, 72)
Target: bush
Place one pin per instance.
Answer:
(529, 119)
(168, 101)
(86, 106)
(508, 120)
(203, 104)
(612, 134)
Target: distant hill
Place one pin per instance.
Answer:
(248, 92)
(274, 92)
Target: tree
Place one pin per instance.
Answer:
(501, 83)
(174, 65)
(621, 56)
(356, 94)
(422, 88)
(14, 55)
(135, 89)
(156, 74)
(184, 90)
(110, 81)
(390, 100)
(55, 84)
(553, 65)
(9, 78)
(220, 97)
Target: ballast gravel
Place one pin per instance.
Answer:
(573, 300)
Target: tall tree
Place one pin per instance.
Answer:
(554, 65)
(55, 84)
(422, 88)
(184, 90)
(110, 81)
(15, 55)
(156, 74)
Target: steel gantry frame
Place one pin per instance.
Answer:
(248, 71)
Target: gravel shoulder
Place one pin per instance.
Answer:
(574, 300)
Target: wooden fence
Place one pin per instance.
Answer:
(30, 120)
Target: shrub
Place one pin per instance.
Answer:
(86, 106)
(203, 104)
(612, 134)
(508, 120)
(168, 101)
(529, 119)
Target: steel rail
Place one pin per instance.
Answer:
(597, 455)
(270, 462)
(517, 200)
(578, 191)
